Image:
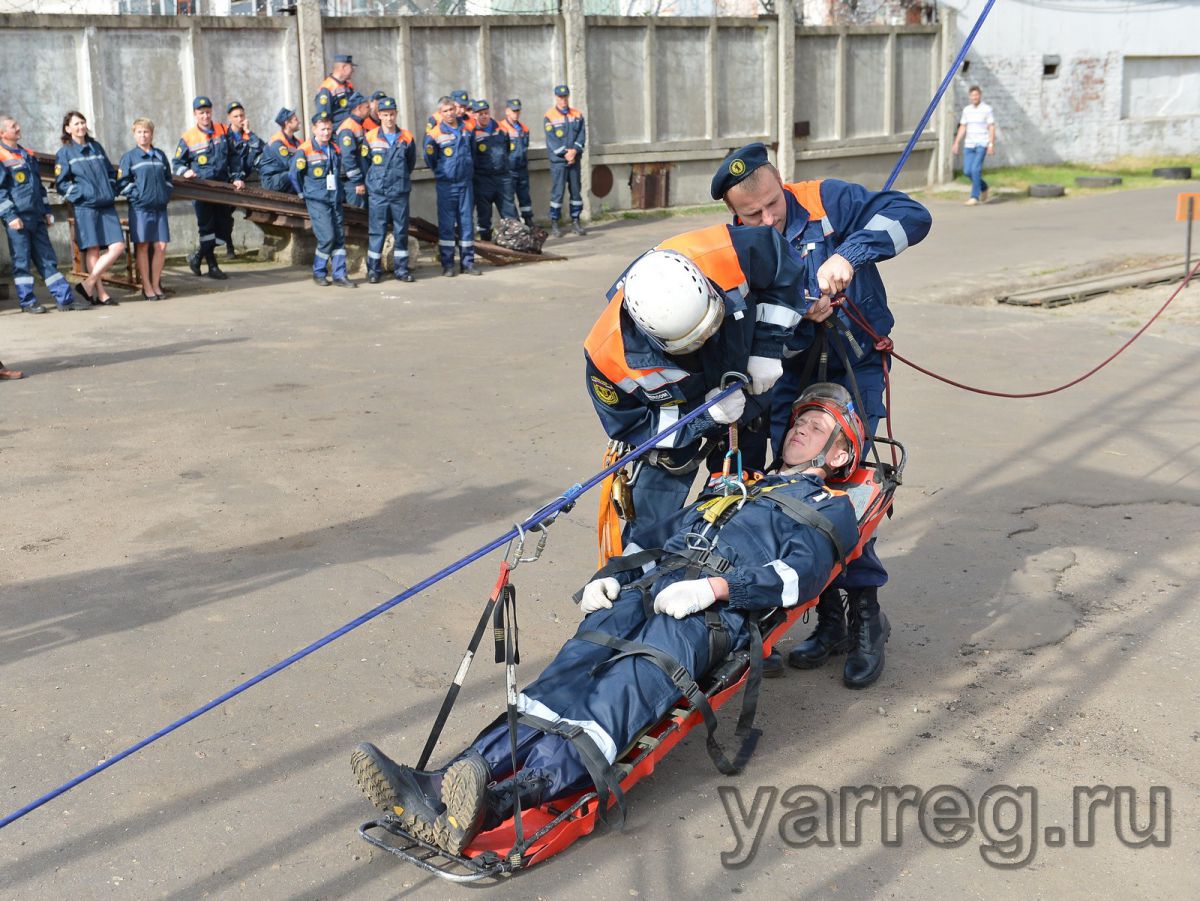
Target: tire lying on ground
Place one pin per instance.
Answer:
(1097, 181)
(1181, 172)
(1047, 190)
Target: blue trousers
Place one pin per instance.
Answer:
(331, 240)
(497, 191)
(520, 185)
(562, 177)
(31, 250)
(973, 168)
(866, 571)
(613, 702)
(380, 213)
(657, 495)
(455, 202)
(208, 222)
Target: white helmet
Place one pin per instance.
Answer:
(672, 301)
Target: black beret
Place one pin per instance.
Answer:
(737, 166)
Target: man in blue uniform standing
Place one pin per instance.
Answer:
(518, 157)
(275, 163)
(626, 665)
(493, 183)
(388, 157)
(249, 148)
(449, 153)
(683, 316)
(565, 139)
(349, 137)
(316, 174)
(26, 214)
(333, 94)
(207, 151)
(838, 231)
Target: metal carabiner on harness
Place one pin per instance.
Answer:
(516, 548)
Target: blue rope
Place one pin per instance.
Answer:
(541, 518)
(916, 135)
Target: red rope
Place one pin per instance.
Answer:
(885, 346)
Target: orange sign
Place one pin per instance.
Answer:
(1181, 211)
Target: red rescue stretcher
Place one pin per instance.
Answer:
(555, 826)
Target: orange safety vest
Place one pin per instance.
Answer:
(197, 139)
(808, 195)
(712, 250)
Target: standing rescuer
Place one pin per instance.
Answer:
(518, 157)
(317, 176)
(333, 95)
(449, 153)
(26, 214)
(388, 157)
(838, 231)
(493, 183)
(565, 139)
(207, 151)
(349, 137)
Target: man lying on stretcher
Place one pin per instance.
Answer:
(690, 609)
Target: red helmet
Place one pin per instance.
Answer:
(836, 401)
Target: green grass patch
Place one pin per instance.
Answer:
(1135, 172)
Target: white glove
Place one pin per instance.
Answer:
(730, 409)
(764, 372)
(682, 599)
(599, 594)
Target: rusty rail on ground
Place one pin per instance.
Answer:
(274, 208)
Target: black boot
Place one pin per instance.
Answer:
(555, 229)
(828, 638)
(529, 220)
(528, 785)
(485, 235)
(193, 262)
(464, 793)
(413, 795)
(577, 227)
(869, 631)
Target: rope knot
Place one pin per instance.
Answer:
(884, 345)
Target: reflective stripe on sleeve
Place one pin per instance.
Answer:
(881, 223)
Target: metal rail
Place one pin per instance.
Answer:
(277, 209)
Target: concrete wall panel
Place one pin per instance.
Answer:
(48, 84)
(443, 60)
(374, 52)
(914, 59)
(816, 85)
(616, 67)
(524, 62)
(865, 85)
(743, 94)
(124, 59)
(680, 77)
(255, 66)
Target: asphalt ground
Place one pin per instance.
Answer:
(194, 489)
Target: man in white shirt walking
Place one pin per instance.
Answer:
(977, 135)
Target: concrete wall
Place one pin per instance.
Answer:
(1127, 81)
(681, 91)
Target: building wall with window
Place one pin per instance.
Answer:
(1085, 80)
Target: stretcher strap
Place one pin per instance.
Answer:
(506, 608)
(456, 684)
(809, 516)
(604, 776)
(679, 675)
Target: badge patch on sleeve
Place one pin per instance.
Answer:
(605, 393)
